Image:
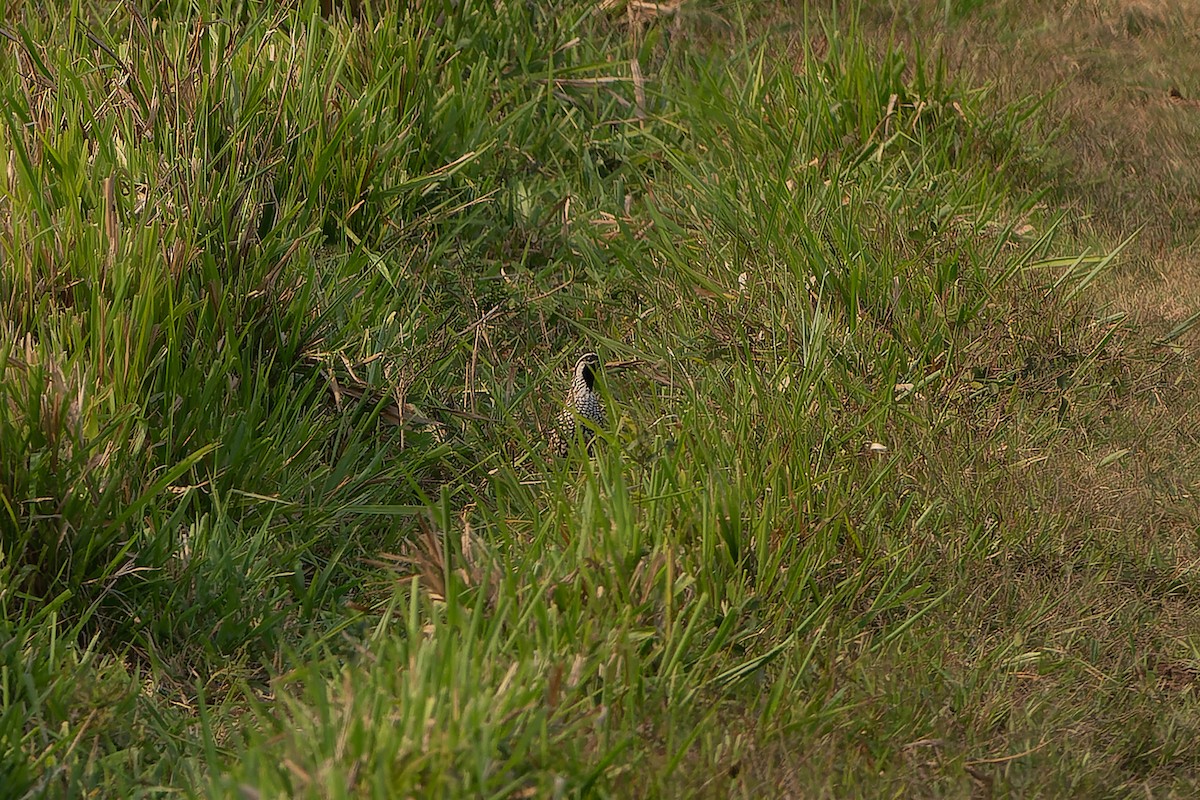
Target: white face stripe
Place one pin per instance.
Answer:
(586, 367)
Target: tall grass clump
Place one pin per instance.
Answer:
(233, 243)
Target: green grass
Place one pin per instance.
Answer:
(287, 302)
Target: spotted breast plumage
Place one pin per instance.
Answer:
(583, 403)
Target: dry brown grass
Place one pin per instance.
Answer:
(1162, 295)
(1125, 78)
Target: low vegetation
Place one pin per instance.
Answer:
(897, 498)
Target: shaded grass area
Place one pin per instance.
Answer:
(288, 302)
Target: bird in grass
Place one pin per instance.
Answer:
(583, 406)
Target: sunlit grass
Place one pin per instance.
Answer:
(289, 301)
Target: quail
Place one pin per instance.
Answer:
(582, 402)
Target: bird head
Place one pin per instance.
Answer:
(586, 368)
